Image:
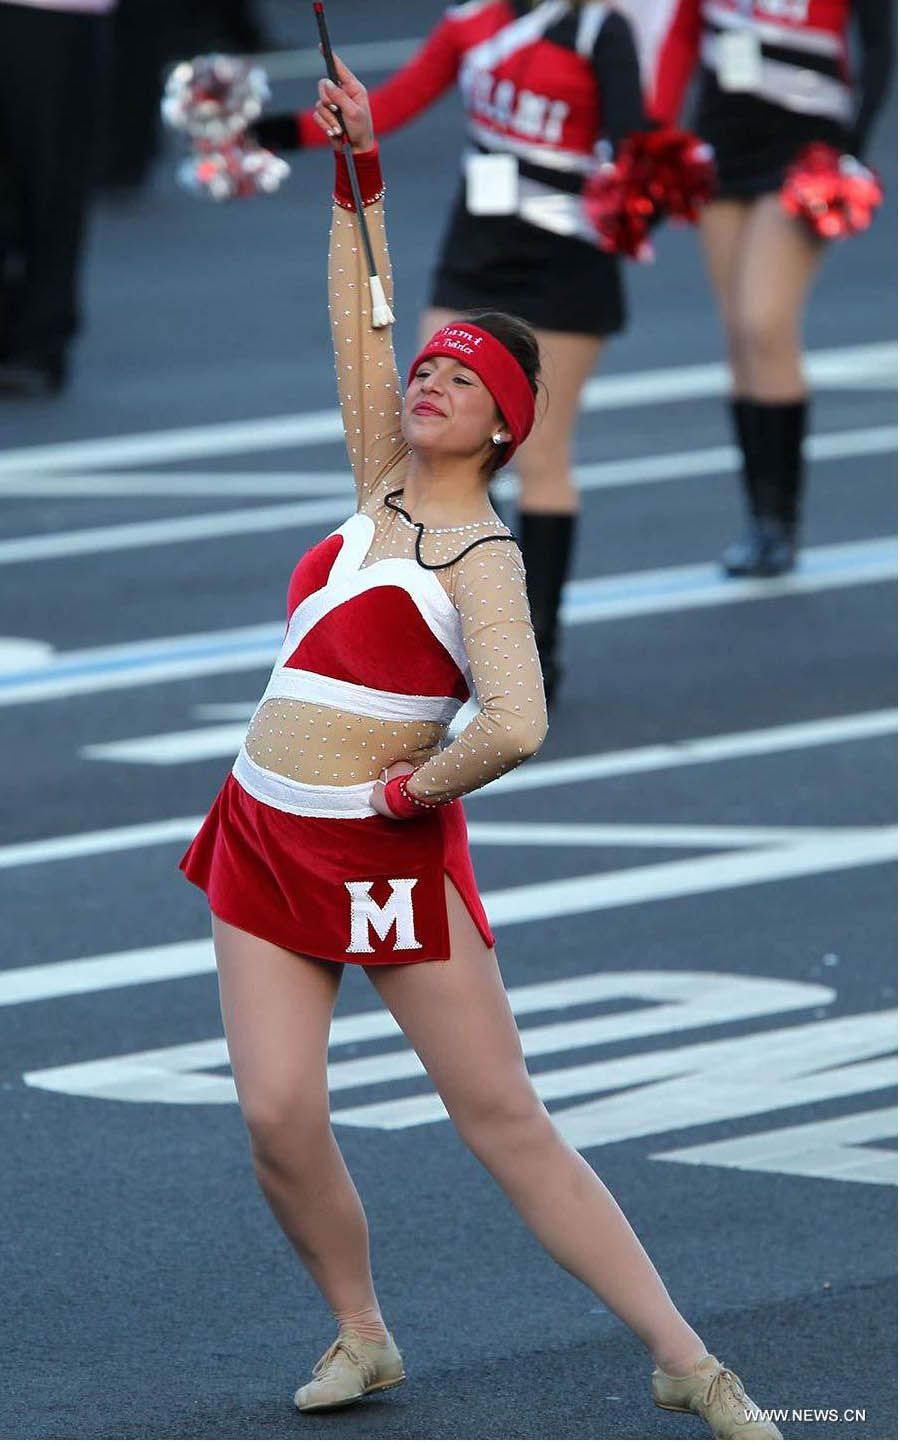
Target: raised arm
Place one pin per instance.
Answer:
(368, 383)
(488, 591)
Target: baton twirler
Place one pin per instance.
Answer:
(382, 315)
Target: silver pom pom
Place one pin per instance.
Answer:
(212, 99)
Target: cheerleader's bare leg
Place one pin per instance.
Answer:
(762, 263)
(778, 262)
(277, 1007)
(457, 1016)
(723, 230)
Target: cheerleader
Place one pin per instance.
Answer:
(774, 77)
(547, 88)
(339, 836)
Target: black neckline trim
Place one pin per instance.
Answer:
(390, 503)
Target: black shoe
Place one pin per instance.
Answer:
(770, 435)
(767, 549)
(31, 378)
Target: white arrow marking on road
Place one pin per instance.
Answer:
(669, 1002)
(681, 1087)
(596, 476)
(833, 1148)
(642, 1095)
(251, 648)
(860, 367)
(845, 849)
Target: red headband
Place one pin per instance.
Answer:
(498, 369)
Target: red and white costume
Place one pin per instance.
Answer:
(802, 63)
(551, 84)
(379, 654)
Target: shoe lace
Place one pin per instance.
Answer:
(724, 1390)
(341, 1344)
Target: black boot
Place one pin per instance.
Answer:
(547, 539)
(743, 557)
(774, 481)
(782, 428)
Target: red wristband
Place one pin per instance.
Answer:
(368, 171)
(402, 803)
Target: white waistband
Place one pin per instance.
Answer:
(309, 686)
(792, 86)
(300, 798)
(549, 156)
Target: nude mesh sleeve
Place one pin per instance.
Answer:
(368, 384)
(488, 590)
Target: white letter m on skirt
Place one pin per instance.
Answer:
(397, 911)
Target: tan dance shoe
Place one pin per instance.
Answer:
(352, 1368)
(716, 1395)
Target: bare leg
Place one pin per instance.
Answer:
(276, 1007)
(544, 461)
(723, 230)
(778, 261)
(457, 1016)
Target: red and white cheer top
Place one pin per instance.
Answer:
(554, 85)
(801, 55)
(381, 652)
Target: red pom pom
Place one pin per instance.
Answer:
(658, 172)
(835, 194)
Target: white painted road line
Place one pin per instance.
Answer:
(845, 849)
(593, 476)
(172, 748)
(861, 367)
(693, 751)
(609, 598)
(146, 485)
(796, 736)
(685, 588)
(482, 834)
(97, 844)
(204, 743)
(250, 520)
(575, 896)
(832, 1147)
(175, 531)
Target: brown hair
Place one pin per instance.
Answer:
(519, 339)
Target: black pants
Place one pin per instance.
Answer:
(51, 89)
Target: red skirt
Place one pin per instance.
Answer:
(366, 889)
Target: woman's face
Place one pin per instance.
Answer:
(448, 409)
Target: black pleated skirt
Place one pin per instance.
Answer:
(755, 141)
(502, 263)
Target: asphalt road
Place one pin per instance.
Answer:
(707, 927)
